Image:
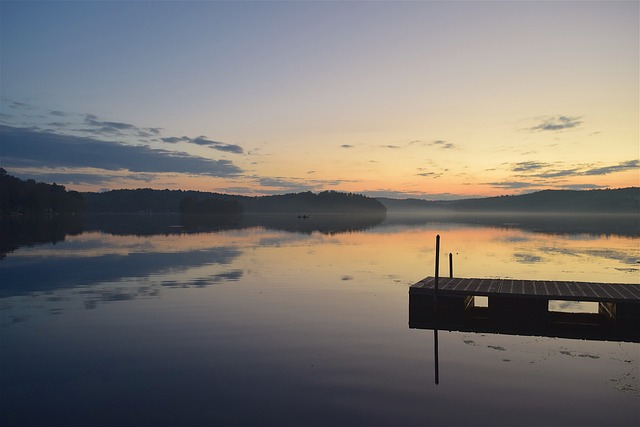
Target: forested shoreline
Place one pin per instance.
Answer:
(27, 197)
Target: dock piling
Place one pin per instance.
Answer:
(435, 293)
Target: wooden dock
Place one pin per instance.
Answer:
(542, 289)
(521, 307)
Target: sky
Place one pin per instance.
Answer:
(415, 99)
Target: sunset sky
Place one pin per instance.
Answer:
(424, 99)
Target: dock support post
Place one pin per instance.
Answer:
(450, 265)
(435, 283)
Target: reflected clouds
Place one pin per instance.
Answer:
(527, 258)
(20, 277)
(229, 276)
(610, 254)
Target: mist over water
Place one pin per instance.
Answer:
(275, 320)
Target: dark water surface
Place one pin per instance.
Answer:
(158, 320)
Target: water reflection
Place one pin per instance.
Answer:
(182, 324)
(550, 223)
(19, 232)
(553, 324)
(24, 275)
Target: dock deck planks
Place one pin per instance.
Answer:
(547, 289)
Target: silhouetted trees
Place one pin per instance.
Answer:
(20, 197)
(148, 200)
(619, 200)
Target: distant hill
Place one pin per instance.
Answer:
(622, 200)
(148, 200)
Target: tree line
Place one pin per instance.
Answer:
(618, 200)
(27, 197)
(148, 200)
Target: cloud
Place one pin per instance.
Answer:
(556, 123)
(559, 173)
(20, 105)
(288, 185)
(528, 166)
(631, 164)
(512, 185)
(536, 175)
(438, 143)
(427, 172)
(346, 146)
(176, 139)
(23, 147)
(66, 177)
(547, 170)
(442, 144)
(203, 141)
(297, 185)
(108, 127)
(394, 194)
(58, 113)
(430, 174)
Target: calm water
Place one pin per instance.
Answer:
(154, 320)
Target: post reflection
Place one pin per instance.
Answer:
(435, 354)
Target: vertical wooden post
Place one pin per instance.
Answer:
(435, 285)
(450, 265)
(435, 312)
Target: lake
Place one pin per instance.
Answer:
(154, 320)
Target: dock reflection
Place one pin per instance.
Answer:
(583, 326)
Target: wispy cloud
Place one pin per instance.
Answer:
(286, 184)
(20, 105)
(108, 127)
(556, 123)
(438, 143)
(294, 185)
(67, 177)
(442, 144)
(92, 125)
(22, 147)
(513, 185)
(430, 174)
(534, 175)
(605, 170)
(394, 194)
(346, 146)
(528, 166)
(557, 170)
(203, 141)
